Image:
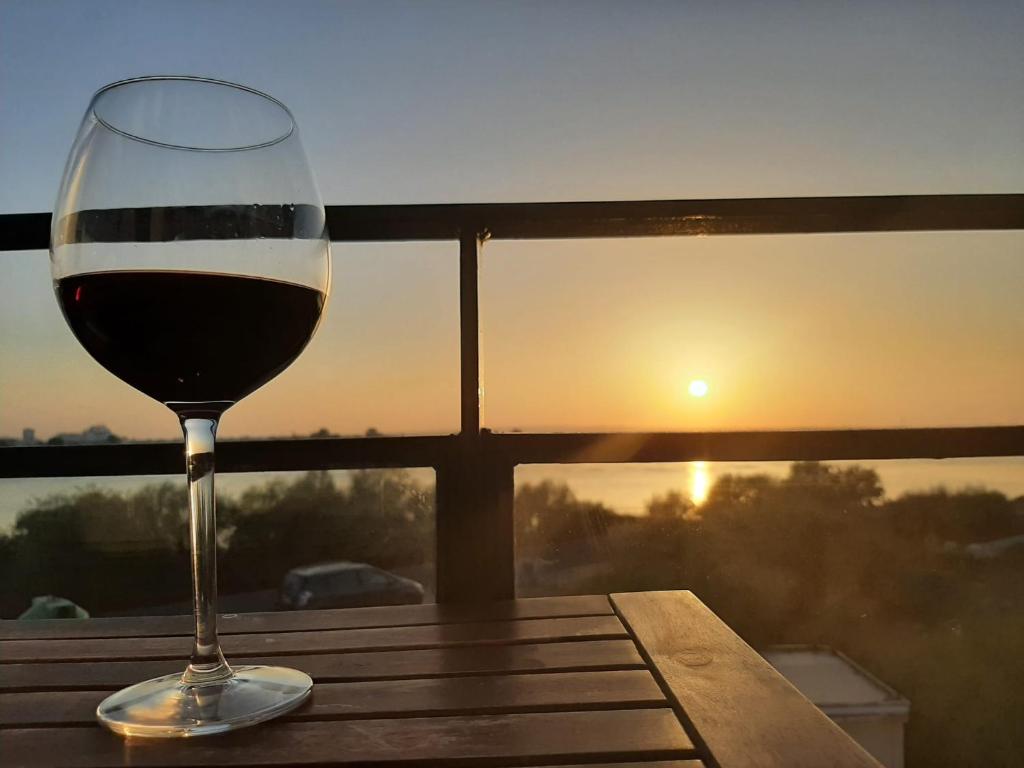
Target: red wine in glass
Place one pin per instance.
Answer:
(240, 331)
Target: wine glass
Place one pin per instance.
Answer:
(190, 257)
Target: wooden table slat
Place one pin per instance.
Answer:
(372, 665)
(745, 713)
(300, 621)
(574, 737)
(647, 680)
(488, 695)
(272, 644)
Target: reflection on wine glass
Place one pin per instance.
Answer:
(190, 258)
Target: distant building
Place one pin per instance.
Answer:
(91, 436)
(858, 702)
(28, 437)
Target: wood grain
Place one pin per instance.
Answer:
(488, 695)
(380, 665)
(298, 621)
(574, 737)
(324, 641)
(746, 714)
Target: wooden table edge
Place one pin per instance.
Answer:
(738, 710)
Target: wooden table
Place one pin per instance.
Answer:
(649, 680)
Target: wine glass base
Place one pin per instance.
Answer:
(165, 707)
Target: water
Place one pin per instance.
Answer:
(626, 488)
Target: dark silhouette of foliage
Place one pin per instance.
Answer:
(672, 506)
(112, 552)
(971, 515)
(551, 523)
(382, 517)
(78, 545)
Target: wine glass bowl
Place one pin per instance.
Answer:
(190, 258)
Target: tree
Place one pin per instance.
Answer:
(777, 552)
(551, 523)
(971, 515)
(102, 549)
(672, 506)
(111, 551)
(382, 517)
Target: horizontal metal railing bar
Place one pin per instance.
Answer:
(810, 445)
(633, 218)
(232, 456)
(520, 448)
(646, 218)
(24, 231)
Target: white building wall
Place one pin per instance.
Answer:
(881, 736)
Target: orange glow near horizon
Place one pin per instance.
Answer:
(788, 331)
(900, 330)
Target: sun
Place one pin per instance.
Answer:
(698, 388)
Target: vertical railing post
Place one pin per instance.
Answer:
(474, 522)
(471, 392)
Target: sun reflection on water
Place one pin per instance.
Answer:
(700, 482)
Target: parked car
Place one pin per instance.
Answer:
(345, 585)
(50, 607)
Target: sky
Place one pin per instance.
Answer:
(422, 102)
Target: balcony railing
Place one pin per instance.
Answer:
(475, 468)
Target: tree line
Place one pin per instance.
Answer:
(112, 552)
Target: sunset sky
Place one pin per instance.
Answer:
(478, 102)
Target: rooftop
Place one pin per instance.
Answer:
(834, 682)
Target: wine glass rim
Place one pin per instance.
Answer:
(192, 79)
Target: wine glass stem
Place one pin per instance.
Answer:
(207, 664)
